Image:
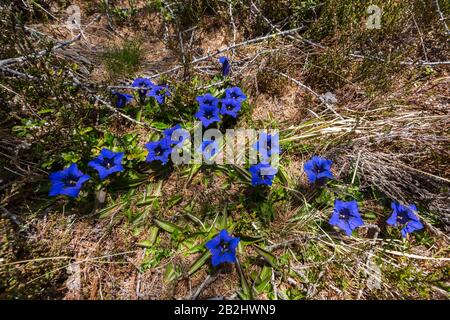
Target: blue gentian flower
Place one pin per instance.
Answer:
(226, 68)
(318, 169)
(107, 163)
(122, 99)
(223, 248)
(67, 182)
(142, 83)
(346, 216)
(230, 107)
(208, 114)
(159, 93)
(405, 216)
(159, 150)
(208, 100)
(181, 133)
(209, 148)
(267, 145)
(235, 93)
(262, 174)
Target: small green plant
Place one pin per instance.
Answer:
(120, 61)
(120, 15)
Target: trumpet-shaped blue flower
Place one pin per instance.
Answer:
(223, 248)
(235, 93)
(226, 68)
(346, 216)
(230, 107)
(177, 135)
(209, 148)
(107, 162)
(318, 169)
(159, 93)
(262, 174)
(208, 100)
(405, 216)
(121, 99)
(67, 182)
(208, 114)
(142, 83)
(267, 145)
(159, 150)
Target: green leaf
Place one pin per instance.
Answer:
(122, 183)
(194, 169)
(370, 215)
(195, 219)
(325, 197)
(102, 213)
(282, 175)
(153, 234)
(108, 138)
(222, 222)
(263, 280)
(270, 258)
(171, 273)
(167, 226)
(139, 115)
(246, 293)
(83, 131)
(145, 244)
(150, 200)
(43, 111)
(129, 138)
(199, 262)
(242, 173)
(159, 125)
(243, 296)
(173, 201)
(250, 239)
